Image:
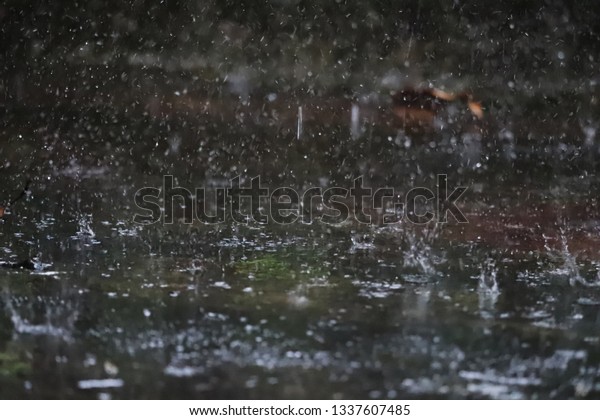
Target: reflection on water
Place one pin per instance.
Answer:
(298, 311)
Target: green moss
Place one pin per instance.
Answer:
(265, 268)
(12, 365)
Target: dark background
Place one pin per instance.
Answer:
(347, 44)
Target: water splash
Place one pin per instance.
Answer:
(420, 254)
(58, 318)
(361, 243)
(488, 283)
(84, 224)
(570, 266)
(194, 267)
(487, 288)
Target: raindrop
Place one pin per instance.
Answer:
(354, 121)
(299, 125)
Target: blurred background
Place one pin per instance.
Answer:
(354, 47)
